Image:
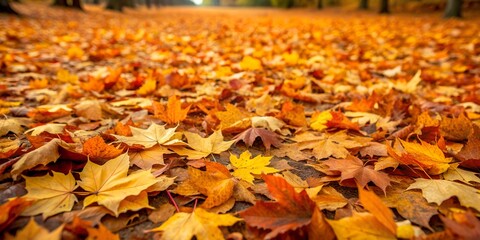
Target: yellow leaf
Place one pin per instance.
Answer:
(64, 76)
(109, 184)
(32, 231)
(319, 120)
(245, 166)
(250, 63)
(148, 87)
(429, 155)
(199, 223)
(360, 226)
(291, 58)
(410, 86)
(234, 119)
(202, 147)
(335, 145)
(52, 194)
(437, 191)
(154, 134)
(75, 52)
(216, 183)
(134, 203)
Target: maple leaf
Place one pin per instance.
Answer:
(97, 150)
(437, 191)
(234, 119)
(319, 120)
(109, 183)
(470, 153)
(41, 156)
(173, 113)
(290, 211)
(200, 223)
(430, 157)
(11, 210)
(352, 167)
(268, 138)
(52, 194)
(33, 231)
(216, 183)
(335, 145)
(456, 129)
(245, 166)
(13, 125)
(154, 134)
(293, 114)
(147, 158)
(202, 147)
(361, 226)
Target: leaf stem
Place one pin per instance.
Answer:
(173, 201)
(195, 204)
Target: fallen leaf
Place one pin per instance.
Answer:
(149, 157)
(463, 226)
(51, 194)
(290, 211)
(154, 134)
(378, 209)
(173, 113)
(98, 151)
(11, 210)
(101, 233)
(245, 166)
(109, 184)
(89, 109)
(437, 191)
(360, 226)
(41, 156)
(202, 147)
(250, 64)
(33, 231)
(352, 167)
(200, 223)
(335, 145)
(268, 138)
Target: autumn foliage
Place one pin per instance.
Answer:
(238, 125)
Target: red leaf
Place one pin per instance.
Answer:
(291, 211)
(268, 138)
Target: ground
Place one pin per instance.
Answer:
(394, 96)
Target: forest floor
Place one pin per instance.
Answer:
(238, 123)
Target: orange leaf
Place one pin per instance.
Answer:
(99, 151)
(173, 113)
(11, 210)
(290, 211)
(375, 206)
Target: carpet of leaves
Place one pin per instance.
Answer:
(238, 124)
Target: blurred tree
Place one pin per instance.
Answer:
(148, 3)
(384, 8)
(453, 9)
(96, 2)
(282, 3)
(6, 8)
(75, 4)
(319, 4)
(363, 4)
(116, 5)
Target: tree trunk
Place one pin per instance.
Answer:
(453, 9)
(363, 4)
(319, 4)
(77, 4)
(96, 2)
(148, 3)
(6, 8)
(129, 3)
(60, 3)
(384, 7)
(115, 5)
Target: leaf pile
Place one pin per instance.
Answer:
(238, 125)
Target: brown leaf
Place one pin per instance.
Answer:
(268, 138)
